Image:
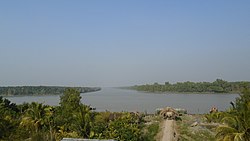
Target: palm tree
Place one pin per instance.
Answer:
(83, 121)
(233, 129)
(38, 120)
(236, 123)
(32, 118)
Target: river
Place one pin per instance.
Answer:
(114, 99)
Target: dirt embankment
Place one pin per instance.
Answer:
(169, 131)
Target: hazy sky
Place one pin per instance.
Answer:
(116, 43)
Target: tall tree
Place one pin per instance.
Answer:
(74, 117)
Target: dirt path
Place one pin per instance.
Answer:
(169, 132)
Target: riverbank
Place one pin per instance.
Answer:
(175, 92)
(190, 127)
(41, 90)
(218, 86)
(195, 128)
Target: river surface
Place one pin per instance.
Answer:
(114, 99)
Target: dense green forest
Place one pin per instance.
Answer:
(41, 90)
(39, 122)
(218, 86)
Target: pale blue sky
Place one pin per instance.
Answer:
(116, 43)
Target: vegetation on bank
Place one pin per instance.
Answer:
(218, 86)
(194, 133)
(41, 90)
(235, 122)
(151, 128)
(72, 119)
(230, 125)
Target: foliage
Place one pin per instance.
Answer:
(215, 117)
(37, 121)
(218, 86)
(118, 126)
(40, 90)
(196, 133)
(72, 117)
(8, 118)
(151, 132)
(236, 123)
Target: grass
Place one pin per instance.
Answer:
(197, 133)
(151, 129)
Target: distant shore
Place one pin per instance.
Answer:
(219, 86)
(41, 90)
(175, 92)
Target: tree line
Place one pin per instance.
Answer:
(41, 90)
(218, 86)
